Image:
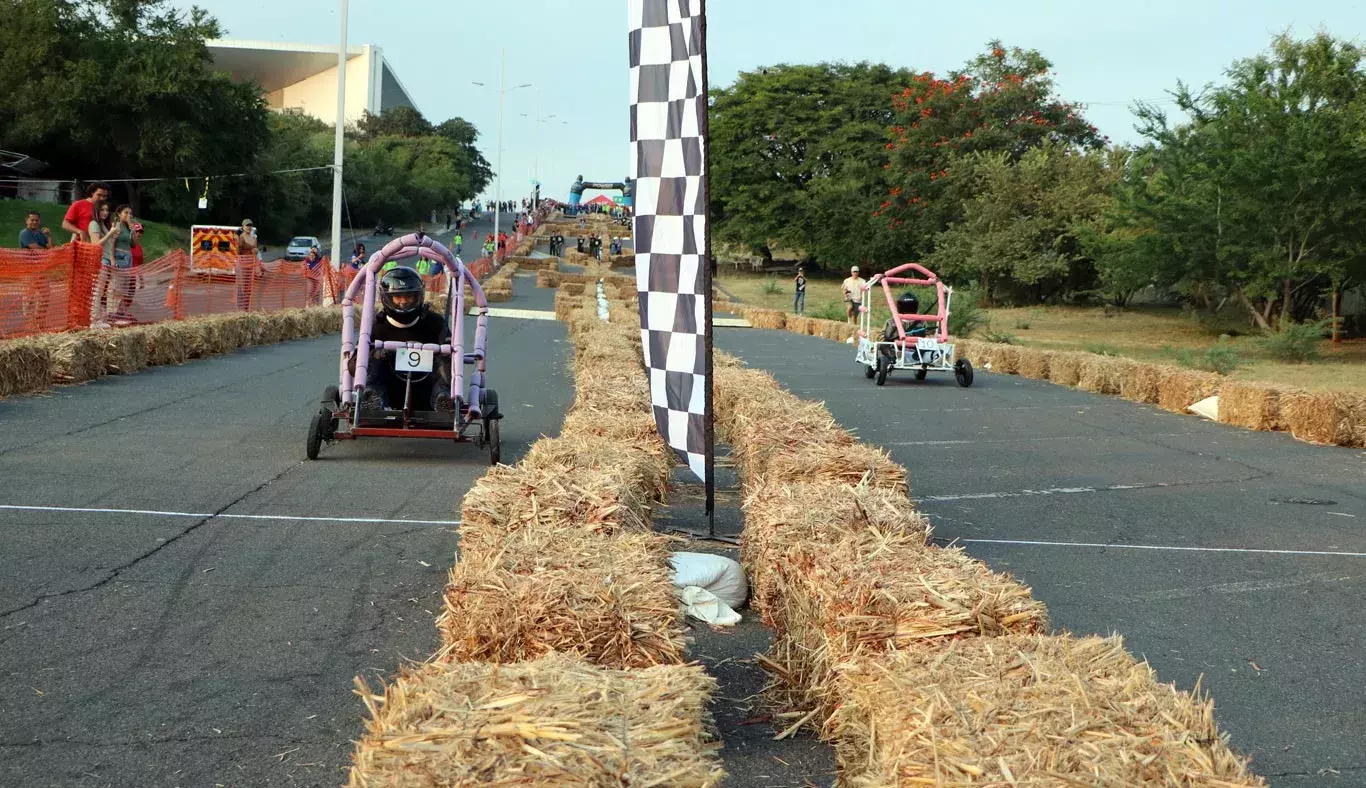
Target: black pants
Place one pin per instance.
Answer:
(391, 386)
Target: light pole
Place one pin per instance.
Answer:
(339, 141)
(498, 176)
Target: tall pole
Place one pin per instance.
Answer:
(339, 142)
(498, 176)
(707, 285)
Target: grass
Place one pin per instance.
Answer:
(157, 238)
(1147, 334)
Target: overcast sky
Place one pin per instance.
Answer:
(574, 51)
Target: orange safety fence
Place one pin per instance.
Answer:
(67, 288)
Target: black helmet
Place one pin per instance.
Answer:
(401, 292)
(907, 304)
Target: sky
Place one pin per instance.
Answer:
(573, 52)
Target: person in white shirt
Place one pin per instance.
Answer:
(853, 293)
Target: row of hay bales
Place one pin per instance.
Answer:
(498, 288)
(777, 319)
(562, 659)
(1331, 418)
(919, 663)
(32, 364)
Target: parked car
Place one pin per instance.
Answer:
(298, 247)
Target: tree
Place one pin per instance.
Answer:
(799, 150)
(402, 121)
(1020, 234)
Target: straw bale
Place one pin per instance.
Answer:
(1004, 359)
(617, 393)
(1251, 405)
(1101, 374)
(608, 598)
(783, 426)
(554, 722)
(969, 349)
(75, 358)
(1334, 418)
(732, 386)
(547, 278)
(274, 328)
(875, 592)
(836, 330)
(126, 350)
(1027, 710)
(777, 517)
(1033, 363)
(798, 324)
(496, 295)
(765, 318)
(573, 288)
(1178, 389)
(25, 367)
(646, 464)
(1064, 368)
(720, 358)
(168, 343)
(840, 463)
(1139, 380)
(509, 499)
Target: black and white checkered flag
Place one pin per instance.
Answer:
(668, 163)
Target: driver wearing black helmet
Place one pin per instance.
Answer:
(906, 304)
(405, 317)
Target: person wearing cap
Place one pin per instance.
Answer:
(247, 242)
(853, 293)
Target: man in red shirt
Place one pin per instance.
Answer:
(81, 212)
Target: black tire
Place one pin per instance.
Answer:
(331, 396)
(884, 367)
(317, 428)
(490, 405)
(962, 372)
(869, 372)
(495, 441)
(921, 373)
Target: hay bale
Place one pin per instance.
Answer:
(777, 517)
(126, 350)
(25, 367)
(75, 358)
(968, 349)
(555, 721)
(1004, 359)
(1064, 368)
(766, 318)
(608, 598)
(168, 344)
(1101, 374)
(1251, 405)
(874, 592)
(854, 463)
(1026, 710)
(1179, 389)
(547, 278)
(1331, 418)
(1033, 363)
(647, 464)
(1138, 381)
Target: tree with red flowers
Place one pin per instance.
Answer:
(1003, 102)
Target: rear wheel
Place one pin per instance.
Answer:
(884, 368)
(962, 372)
(869, 371)
(921, 373)
(331, 396)
(494, 440)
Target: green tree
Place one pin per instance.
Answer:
(400, 121)
(1020, 236)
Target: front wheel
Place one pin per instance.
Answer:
(869, 371)
(495, 441)
(962, 372)
(921, 373)
(884, 367)
(317, 430)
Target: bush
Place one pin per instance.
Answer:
(999, 337)
(1101, 349)
(965, 316)
(771, 286)
(1298, 342)
(1022, 323)
(1221, 357)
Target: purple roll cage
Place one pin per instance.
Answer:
(362, 345)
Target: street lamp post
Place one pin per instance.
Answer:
(339, 139)
(498, 176)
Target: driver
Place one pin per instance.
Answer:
(906, 304)
(405, 317)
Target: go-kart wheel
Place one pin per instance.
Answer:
(962, 372)
(331, 396)
(869, 371)
(317, 431)
(921, 373)
(884, 367)
(489, 406)
(494, 440)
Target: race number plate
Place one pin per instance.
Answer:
(927, 343)
(413, 360)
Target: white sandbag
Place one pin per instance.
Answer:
(1206, 408)
(703, 605)
(718, 574)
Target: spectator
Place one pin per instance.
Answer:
(313, 262)
(34, 236)
(247, 241)
(799, 299)
(853, 293)
(137, 245)
(102, 232)
(82, 212)
(458, 242)
(358, 257)
(123, 241)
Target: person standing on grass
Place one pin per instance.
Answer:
(82, 212)
(34, 236)
(853, 293)
(799, 298)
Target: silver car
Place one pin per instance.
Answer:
(298, 247)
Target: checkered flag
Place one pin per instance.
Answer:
(668, 164)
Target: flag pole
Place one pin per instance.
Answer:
(707, 284)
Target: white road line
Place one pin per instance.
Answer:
(203, 515)
(1240, 587)
(1049, 491)
(1040, 439)
(1168, 548)
(519, 314)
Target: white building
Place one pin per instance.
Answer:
(303, 77)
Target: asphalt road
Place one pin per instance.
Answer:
(1277, 637)
(187, 603)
